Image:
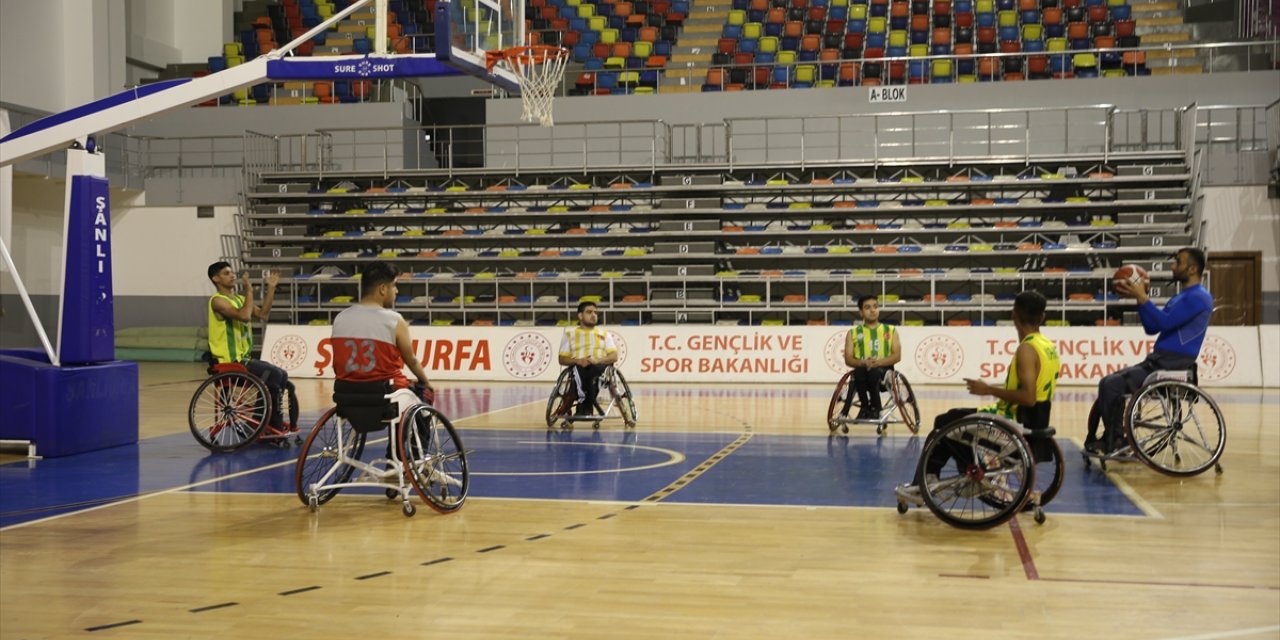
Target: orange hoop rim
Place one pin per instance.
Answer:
(525, 54)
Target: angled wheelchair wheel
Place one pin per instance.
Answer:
(988, 474)
(626, 401)
(433, 458)
(905, 399)
(836, 406)
(318, 460)
(561, 401)
(1050, 473)
(1175, 428)
(229, 411)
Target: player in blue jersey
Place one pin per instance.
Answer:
(1181, 324)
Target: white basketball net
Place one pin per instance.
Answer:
(540, 76)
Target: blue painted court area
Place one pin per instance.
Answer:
(583, 464)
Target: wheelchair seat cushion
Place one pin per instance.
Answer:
(364, 404)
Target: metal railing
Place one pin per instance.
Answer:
(514, 147)
(954, 136)
(1237, 143)
(1216, 57)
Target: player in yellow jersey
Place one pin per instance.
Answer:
(231, 333)
(871, 349)
(1026, 396)
(589, 349)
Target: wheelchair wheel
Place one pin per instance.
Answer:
(626, 401)
(319, 456)
(560, 403)
(1175, 428)
(1049, 472)
(905, 399)
(229, 411)
(837, 402)
(988, 476)
(433, 458)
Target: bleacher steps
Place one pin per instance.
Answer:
(275, 252)
(700, 180)
(283, 187)
(278, 209)
(684, 247)
(680, 297)
(682, 317)
(689, 225)
(1154, 241)
(1150, 194)
(1161, 217)
(286, 230)
(689, 203)
(683, 270)
(698, 39)
(1151, 170)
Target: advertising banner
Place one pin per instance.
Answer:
(705, 353)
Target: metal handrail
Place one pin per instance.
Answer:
(1211, 49)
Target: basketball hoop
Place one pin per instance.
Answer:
(540, 68)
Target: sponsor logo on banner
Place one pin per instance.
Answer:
(939, 356)
(527, 355)
(833, 352)
(619, 342)
(1217, 359)
(289, 352)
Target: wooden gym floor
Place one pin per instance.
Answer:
(729, 513)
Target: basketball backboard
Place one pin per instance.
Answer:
(467, 29)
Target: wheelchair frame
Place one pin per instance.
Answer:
(997, 484)
(564, 396)
(1155, 426)
(232, 409)
(321, 473)
(902, 401)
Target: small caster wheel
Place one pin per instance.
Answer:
(409, 510)
(844, 428)
(1102, 464)
(313, 503)
(880, 430)
(1217, 467)
(595, 425)
(1038, 514)
(297, 440)
(1088, 462)
(902, 507)
(392, 494)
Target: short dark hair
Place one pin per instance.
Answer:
(1196, 257)
(217, 267)
(375, 274)
(862, 299)
(582, 306)
(1029, 307)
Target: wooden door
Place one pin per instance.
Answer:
(1236, 282)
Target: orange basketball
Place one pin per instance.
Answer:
(1131, 273)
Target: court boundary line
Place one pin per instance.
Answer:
(1213, 635)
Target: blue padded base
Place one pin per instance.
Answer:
(67, 410)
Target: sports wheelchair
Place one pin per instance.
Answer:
(233, 409)
(426, 455)
(997, 468)
(1170, 424)
(896, 397)
(622, 404)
